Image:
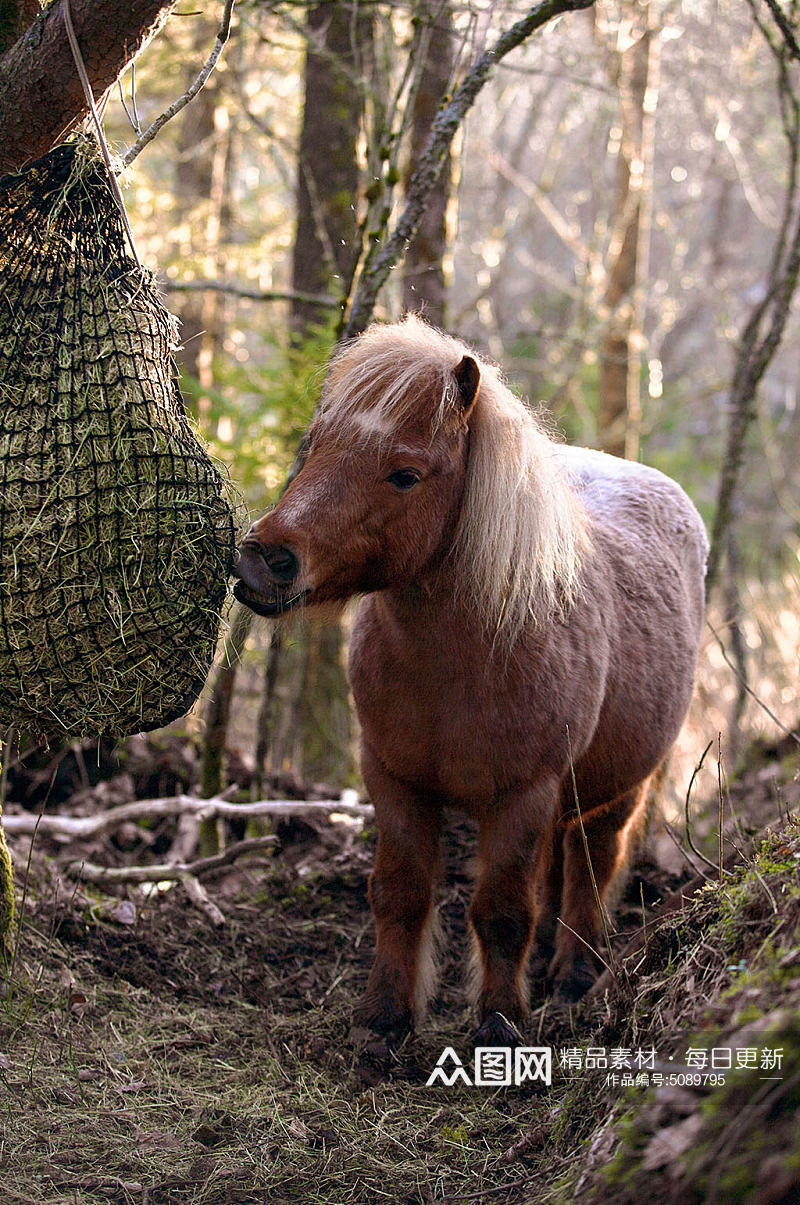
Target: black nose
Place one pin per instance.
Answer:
(281, 562)
(261, 566)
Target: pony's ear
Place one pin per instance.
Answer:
(468, 378)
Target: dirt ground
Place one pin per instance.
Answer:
(147, 1056)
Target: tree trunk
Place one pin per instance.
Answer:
(202, 187)
(423, 268)
(15, 17)
(635, 73)
(323, 257)
(327, 175)
(265, 724)
(41, 97)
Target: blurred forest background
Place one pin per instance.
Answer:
(614, 225)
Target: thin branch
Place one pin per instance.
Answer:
(382, 258)
(225, 286)
(756, 346)
(787, 731)
(184, 873)
(190, 93)
(85, 827)
(692, 845)
(166, 872)
(785, 28)
(200, 898)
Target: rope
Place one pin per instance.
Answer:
(87, 92)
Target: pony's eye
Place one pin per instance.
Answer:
(404, 479)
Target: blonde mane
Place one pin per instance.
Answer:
(522, 532)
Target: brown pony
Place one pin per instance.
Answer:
(525, 651)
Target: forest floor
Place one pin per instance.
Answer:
(148, 1056)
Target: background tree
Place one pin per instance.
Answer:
(424, 284)
(541, 225)
(315, 730)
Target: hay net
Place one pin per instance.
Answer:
(116, 537)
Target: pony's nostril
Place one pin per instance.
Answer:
(281, 562)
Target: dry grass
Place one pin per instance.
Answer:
(164, 1061)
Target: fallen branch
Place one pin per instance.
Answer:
(86, 827)
(185, 873)
(165, 871)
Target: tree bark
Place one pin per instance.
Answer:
(15, 17)
(327, 174)
(40, 94)
(323, 258)
(619, 403)
(424, 285)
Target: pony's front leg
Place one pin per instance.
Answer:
(401, 897)
(502, 914)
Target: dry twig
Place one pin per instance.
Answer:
(185, 873)
(191, 91)
(86, 827)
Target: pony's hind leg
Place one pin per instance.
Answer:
(550, 883)
(608, 830)
(401, 897)
(503, 911)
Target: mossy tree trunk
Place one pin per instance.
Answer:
(40, 94)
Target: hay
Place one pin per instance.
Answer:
(116, 538)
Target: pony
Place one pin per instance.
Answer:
(524, 650)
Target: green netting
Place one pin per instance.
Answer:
(116, 537)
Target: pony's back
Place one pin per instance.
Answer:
(638, 501)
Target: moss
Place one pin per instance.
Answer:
(455, 1135)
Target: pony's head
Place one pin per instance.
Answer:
(421, 460)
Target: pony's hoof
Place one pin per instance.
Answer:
(497, 1030)
(390, 1023)
(573, 983)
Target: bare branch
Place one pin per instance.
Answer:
(191, 91)
(383, 257)
(184, 873)
(86, 827)
(786, 30)
(763, 331)
(40, 94)
(166, 872)
(235, 290)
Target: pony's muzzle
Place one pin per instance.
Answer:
(267, 573)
